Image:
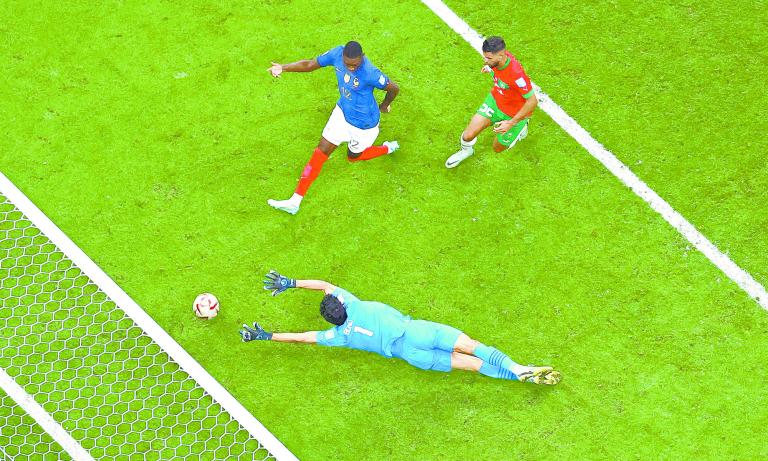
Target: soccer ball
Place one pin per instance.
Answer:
(206, 306)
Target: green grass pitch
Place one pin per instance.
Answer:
(152, 135)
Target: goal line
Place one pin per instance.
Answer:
(88, 342)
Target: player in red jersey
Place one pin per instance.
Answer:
(508, 106)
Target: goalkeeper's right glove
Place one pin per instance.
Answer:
(278, 283)
(254, 334)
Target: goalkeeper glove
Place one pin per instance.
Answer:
(278, 283)
(255, 333)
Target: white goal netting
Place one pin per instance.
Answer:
(94, 371)
(22, 438)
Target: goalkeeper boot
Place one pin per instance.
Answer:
(540, 375)
(392, 146)
(551, 378)
(289, 206)
(454, 160)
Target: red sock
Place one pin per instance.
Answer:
(311, 171)
(371, 152)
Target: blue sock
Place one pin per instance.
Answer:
(496, 372)
(493, 356)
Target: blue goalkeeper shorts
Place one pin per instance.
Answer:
(426, 345)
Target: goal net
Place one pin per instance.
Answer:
(86, 374)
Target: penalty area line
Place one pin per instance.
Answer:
(741, 277)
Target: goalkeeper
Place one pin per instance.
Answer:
(376, 327)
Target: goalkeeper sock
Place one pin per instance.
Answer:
(467, 145)
(497, 372)
(369, 153)
(310, 173)
(497, 358)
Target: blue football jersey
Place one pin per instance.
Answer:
(370, 326)
(356, 99)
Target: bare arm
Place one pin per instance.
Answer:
(309, 337)
(522, 114)
(257, 333)
(305, 65)
(392, 90)
(316, 285)
(526, 110)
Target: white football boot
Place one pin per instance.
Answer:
(289, 206)
(465, 152)
(392, 146)
(454, 160)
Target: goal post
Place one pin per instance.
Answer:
(81, 355)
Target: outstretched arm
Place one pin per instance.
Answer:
(309, 337)
(316, 285)
(257, 333)
(305, 65)
(277, 284)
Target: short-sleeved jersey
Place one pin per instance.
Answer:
(370, 326)
(356, 88)
(511, 86)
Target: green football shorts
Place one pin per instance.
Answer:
(490, 110)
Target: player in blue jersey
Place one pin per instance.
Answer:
(379, 328)
(354, 120)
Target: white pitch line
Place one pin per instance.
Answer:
(742, 278)
(235, 409)
(43, 418)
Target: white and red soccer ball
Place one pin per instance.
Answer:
(206, 306)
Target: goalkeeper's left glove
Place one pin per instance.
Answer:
(255, 333)
(278, 283)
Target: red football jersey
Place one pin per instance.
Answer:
(511, 86)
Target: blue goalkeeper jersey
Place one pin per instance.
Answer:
(370, 326)
(356, 99)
